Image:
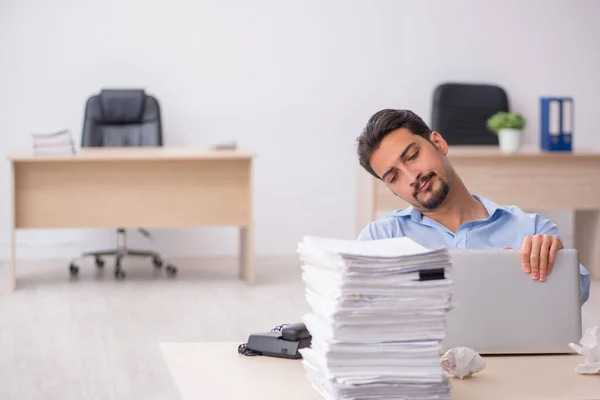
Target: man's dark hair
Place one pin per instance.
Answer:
(380, 125)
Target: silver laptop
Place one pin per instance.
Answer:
(498, 309)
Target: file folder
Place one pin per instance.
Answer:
(556, 123)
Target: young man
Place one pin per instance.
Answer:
(397, 147)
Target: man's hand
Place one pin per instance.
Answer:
(538, 253)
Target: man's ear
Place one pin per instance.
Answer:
(439, 142)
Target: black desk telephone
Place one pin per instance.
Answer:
(283, 341)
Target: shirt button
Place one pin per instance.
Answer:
(460, 246)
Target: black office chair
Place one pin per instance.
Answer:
(118, 118)
(460, 112)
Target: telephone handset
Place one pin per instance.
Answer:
(283, 341)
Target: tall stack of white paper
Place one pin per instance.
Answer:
(378, 318)
(58, 143)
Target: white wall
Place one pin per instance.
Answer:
(294, 81)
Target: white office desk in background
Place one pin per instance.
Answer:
(530, 180)
(130, 187)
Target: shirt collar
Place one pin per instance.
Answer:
(491, 207)
(409, 212)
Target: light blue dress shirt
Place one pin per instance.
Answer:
(505, 227)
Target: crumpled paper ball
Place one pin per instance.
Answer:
(462, 362)
(590, 348)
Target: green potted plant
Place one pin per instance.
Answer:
(508, 126)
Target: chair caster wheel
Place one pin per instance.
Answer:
(171, 270)
(157, 262)
(119, 274)
(73, 269)
(99, 262)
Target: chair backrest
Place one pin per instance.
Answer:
(122, 117)
(460, 112)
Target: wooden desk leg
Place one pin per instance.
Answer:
(13, 259)
(247, 254)
(365, 199)
(587, 240)
(13, 230)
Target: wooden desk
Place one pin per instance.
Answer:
(531, 180)
(215, 370)
(134, 187)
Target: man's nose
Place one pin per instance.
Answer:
(414, 177)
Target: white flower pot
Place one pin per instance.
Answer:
(510, 140)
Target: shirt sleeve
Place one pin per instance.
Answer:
(365, 234)
(544, 226)
(379, 229)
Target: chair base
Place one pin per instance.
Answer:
(119, 253)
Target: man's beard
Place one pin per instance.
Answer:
(436, 197)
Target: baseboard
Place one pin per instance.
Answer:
(260, 261)
(60, 244)
(41, 250)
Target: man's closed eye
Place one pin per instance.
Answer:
(414, 156)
